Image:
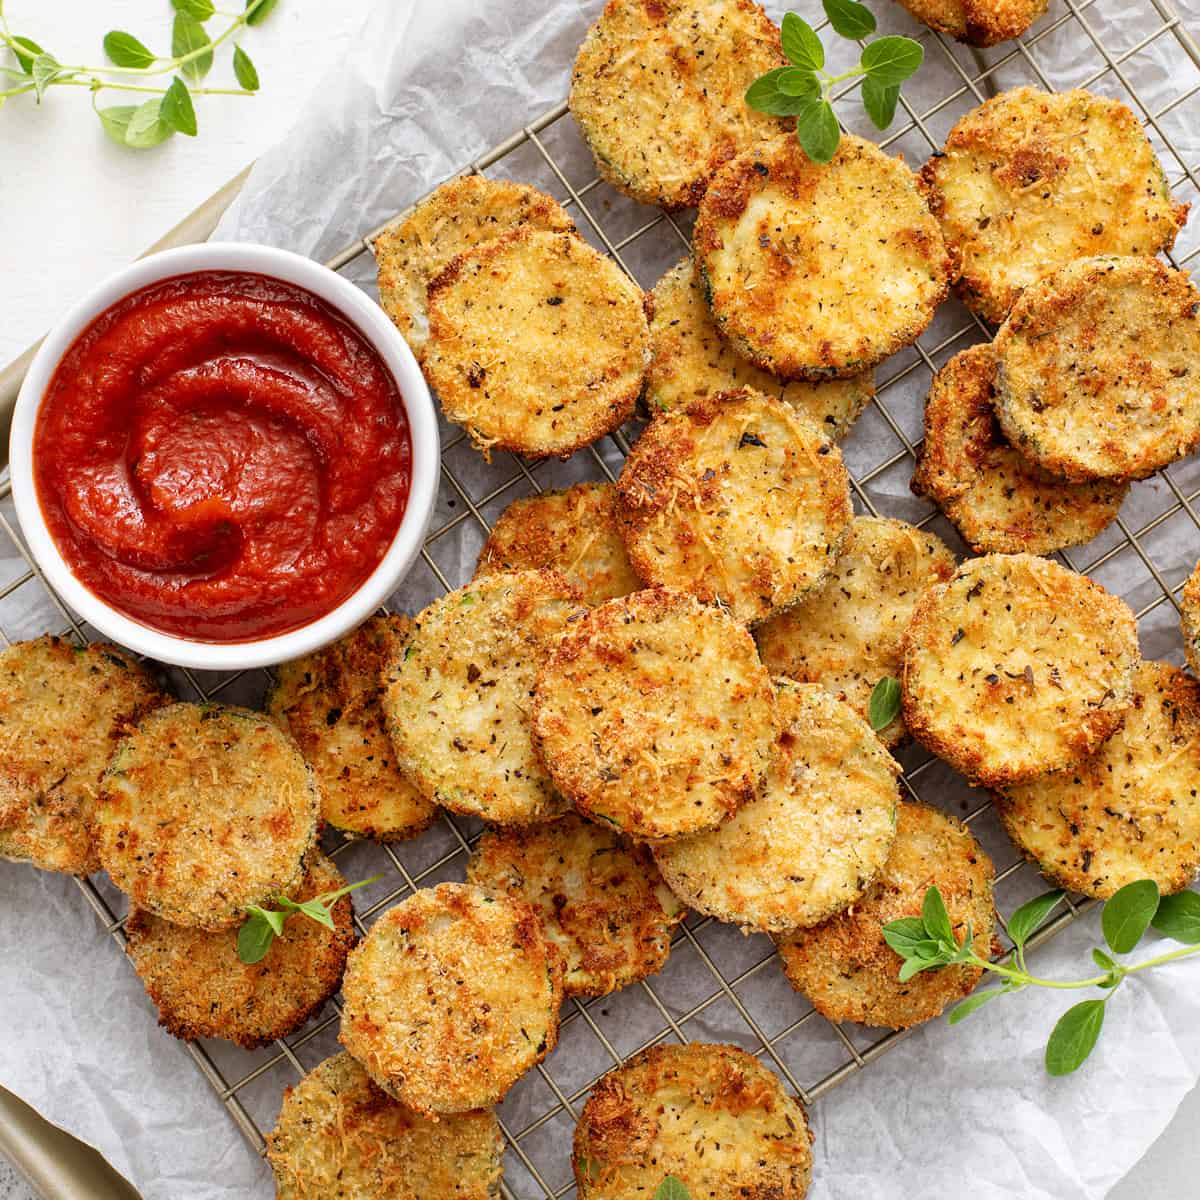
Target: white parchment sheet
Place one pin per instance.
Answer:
(429, 85)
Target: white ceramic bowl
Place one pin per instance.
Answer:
(371, 322)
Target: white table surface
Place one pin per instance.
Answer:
(73, 207)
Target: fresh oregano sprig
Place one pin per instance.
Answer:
(884, 706)
(132, 67)
(804, 90)
(927, 943)
(263, 925)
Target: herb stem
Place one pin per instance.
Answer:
(100, 85)
(1022, 978)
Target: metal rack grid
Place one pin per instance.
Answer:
(738, 995)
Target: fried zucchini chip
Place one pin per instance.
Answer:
(737, 499)
(1189, 619)
(339, 1137)
(659, 90)
(850, 973)
(457, 697)
(978, 22)
(1017, 667)
(62, 711)
(203, 810)
(601, 898)
(655, 714)
(573, 531)
(537, 343)
(330, 702)
(1032, 180)
(201, 987)
(815, 836)
(846, 636)
(690, 360)
(455, 217)
(819, 270)
(712, 1116)
(1000, 501)
(1131, 810)
(452, 996)
(1097, 367)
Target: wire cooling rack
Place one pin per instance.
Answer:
(719, 984)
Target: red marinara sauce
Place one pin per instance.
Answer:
(222, 456)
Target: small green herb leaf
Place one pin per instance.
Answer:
(177, 108)
(1074, 1037)
(1128, 914)
(879, 101)
(1028, 919)
(973, 1004)
(892, 60)
(1106, 963)
(914, 966)
(797, 81)
(115, 121)
(1178, 917)
(244, 70)
(257, 11)
(801, 44)
(937, 919)
(316, 911)
(26, 50)
(849, 19)
(146, 127)
(188, 36)
(46, 69)
(125, 50)
(198, 10)
(671, 1189)
(254, 939)
(884, 706)
(763, 95)
(903, 934)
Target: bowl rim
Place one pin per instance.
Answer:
(375, 327)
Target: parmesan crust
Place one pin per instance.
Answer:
(818, 270)
(999, 500)
(737, 499)
(339, 1137)
(573, 531)
(846, 636)
(850, 973)
(62, 711)
(1189, 619)
(455, 217)
(452, 996)
(690, 360)
(1131, 810)
(457, 697)
(978, 22)
(204, 810)
(814, 837)
(658, 91)
(1031, 180)
(601, 899)
(1017, 667)
(655, 715)
(329, 701)
(537, 343)
(1097, 369)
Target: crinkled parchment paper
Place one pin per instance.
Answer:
(948, 1112)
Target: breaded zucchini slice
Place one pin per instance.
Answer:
(814, 270)
(737, 499)
(846, 636)
(814, 837)
(712, 1116)
(573, 531)
(1097, 367)
(537, 343)
(690, 360)
(330, 702)
(601, 898)
(1017, 667)
(339, 1137)
(655, 715)
(452, 996)
(1000, 501)
(849, 972)
(202, 989)
(62, 710)
(203, 810)
(1189, 618)
(1131, 810)
(457, 697)
(454, 217)
(978, 22)
(658, 90)
(1032, 180)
